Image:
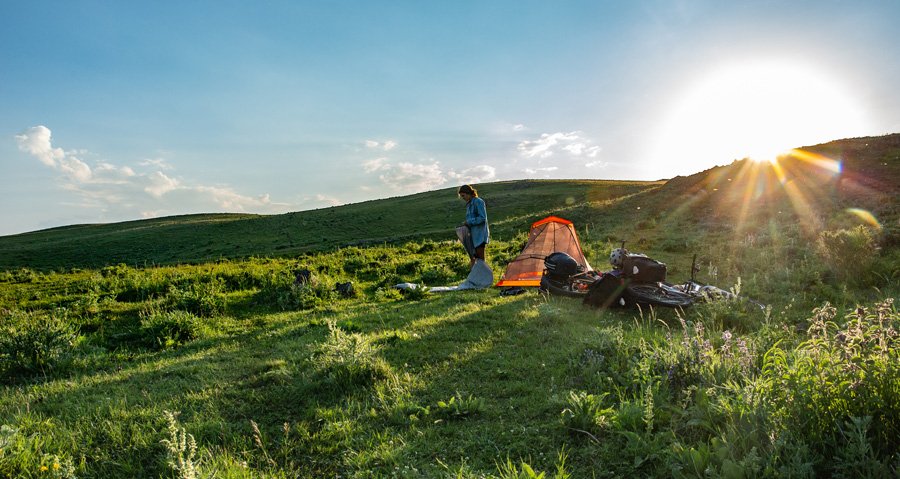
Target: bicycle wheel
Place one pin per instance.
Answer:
(652, 293)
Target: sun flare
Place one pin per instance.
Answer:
(753, 110)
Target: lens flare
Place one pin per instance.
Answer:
(816, 159)
(866, 216)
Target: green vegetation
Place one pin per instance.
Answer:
(211, 237)
(232, 368)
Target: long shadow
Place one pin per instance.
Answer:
(217, 384)
(467, 343)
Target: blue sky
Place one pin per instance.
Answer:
(113, 111)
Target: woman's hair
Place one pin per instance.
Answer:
(467, 189)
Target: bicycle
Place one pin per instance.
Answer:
(681, 295)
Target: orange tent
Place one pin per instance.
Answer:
(547, 236)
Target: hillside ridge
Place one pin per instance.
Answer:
(861, 174)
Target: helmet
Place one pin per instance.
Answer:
(617, 257)
(561, 265)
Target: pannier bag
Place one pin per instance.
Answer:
(641, 269)
(560, 266)
(606, 292)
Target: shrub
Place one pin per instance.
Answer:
(438, 275)
(34, 341)
(203, 299)
(848, 253)
(846, 370)
(167, 329)
(349, 359)
(284, 291)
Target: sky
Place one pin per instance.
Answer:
(113, 111)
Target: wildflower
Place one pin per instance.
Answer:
(726, 336)
(44, 468)
(55, 466)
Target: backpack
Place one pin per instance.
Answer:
(606, 292)
(641, 269)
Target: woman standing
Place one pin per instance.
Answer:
(476, 220)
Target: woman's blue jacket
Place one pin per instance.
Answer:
(476, 220)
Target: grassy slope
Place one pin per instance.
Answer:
(197, 238)
(521, 356)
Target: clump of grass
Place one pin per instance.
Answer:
(349, 360)
(167, 329)
(458, 407)
(509, 470)
(34, 342)
(849, 253)
(205, 299)
(282, 289)
(438, 274)
(586, 414)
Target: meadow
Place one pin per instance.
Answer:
(212, 361)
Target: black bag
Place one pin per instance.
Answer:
(606, 292)
(641, 269)
(560, 266)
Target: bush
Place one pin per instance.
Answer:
(282, 290)
(849, 254)
(167, 329)
(845, 371)
(205, 299)
(33, 342)
(438, 275)
(348, 360)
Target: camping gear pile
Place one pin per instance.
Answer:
(553, 261)
(547, 236)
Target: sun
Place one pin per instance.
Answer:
(755, 110)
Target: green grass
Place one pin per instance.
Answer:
(225, 368)
(209, 237)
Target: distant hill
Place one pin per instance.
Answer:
(834, 184)
(512, 206)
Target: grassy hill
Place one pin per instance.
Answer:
(513, 205)
(199, 356)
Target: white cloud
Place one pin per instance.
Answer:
(413, 177)
(330, 200)
(159, 184)
(375, 165)
(386, 146)
(476, 174)
(76, 169)
(548, 144)
(110, 188)
(545, 145)
(601, 164)
(582, 149)
(518, 127)
(156, 163)
(226, 198)
(36, 141)
(544, 171)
